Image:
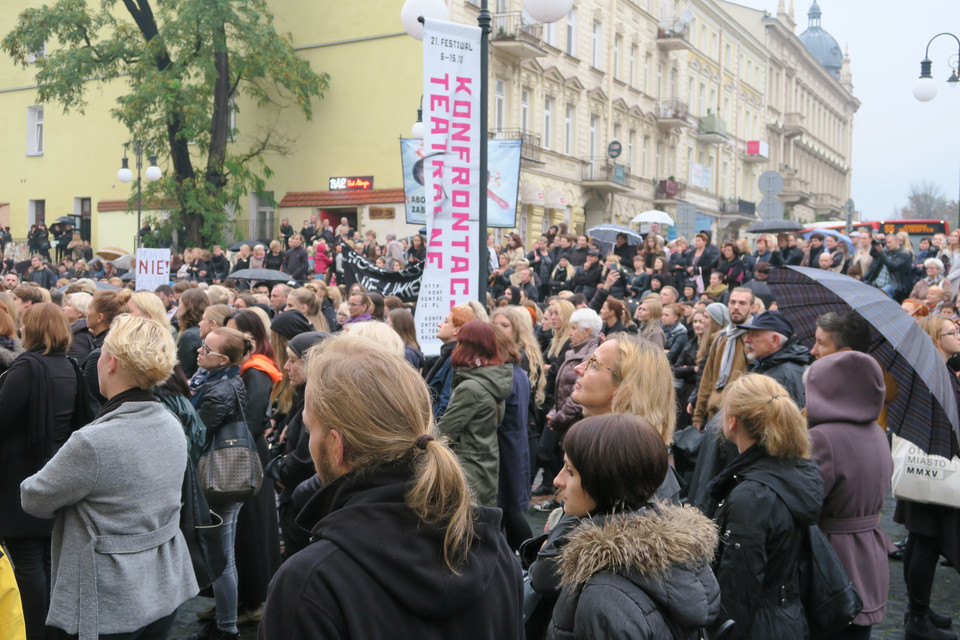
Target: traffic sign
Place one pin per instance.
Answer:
(771, 183)
(614, 149)
(770, 209)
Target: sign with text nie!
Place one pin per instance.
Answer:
(352, 183)
(152, 268)
(451, 172)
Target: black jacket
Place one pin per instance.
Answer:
(82, 343)
(899, 266)
(44, 277)
(295, 263)
(187, 344)
(21, 456)
(676, 340)
(786, 366)
(274, 262)
(768, 504)
(377, 571)
(220, 267)
(587, 280)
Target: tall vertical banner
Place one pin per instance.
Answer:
(451, 172)
(152, 268)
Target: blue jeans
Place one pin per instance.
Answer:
(889, 289)
(225, 587)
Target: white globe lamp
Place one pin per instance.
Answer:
(548, 10)
(414, 9)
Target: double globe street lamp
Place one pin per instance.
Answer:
(153, 173)
(411, 16)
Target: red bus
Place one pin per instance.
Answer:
(916, 229)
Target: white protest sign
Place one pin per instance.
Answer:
(152, 268)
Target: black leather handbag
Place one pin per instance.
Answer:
(830, 600)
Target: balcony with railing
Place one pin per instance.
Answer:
(605, 175)
(711, 129)
(734, 205)
(529, 151)
(669, 191)
(672, 113)
(516, 37)
(793, 125)
(673, 35)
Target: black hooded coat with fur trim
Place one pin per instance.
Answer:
(639, 575)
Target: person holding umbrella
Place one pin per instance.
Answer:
(934, 529)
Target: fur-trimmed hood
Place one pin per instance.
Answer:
(644, 542)
(7, 356)
(664, 550)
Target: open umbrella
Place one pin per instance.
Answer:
(111, 253)
(101, 285)
(654, 215)
(774, 226)
(266, 275)
(124, 262)
(830, 232)
(608, 233)
(925, 409)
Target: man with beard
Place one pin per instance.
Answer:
(774, 351)
(727, 358)
(11, 281)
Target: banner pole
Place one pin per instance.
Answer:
(483, 20)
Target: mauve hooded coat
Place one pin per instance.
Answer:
(845, 393)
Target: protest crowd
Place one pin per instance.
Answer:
(700, 463)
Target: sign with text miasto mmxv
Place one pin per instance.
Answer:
(153, 268)
(451, 142)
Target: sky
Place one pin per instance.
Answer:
(897, 140)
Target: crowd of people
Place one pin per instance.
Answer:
(396, 485)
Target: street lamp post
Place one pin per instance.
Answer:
(125, 175)
(925, 88)
(411, 15)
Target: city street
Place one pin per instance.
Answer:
(946, 590)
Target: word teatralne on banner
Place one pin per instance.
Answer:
(451, 142)
(152, 268)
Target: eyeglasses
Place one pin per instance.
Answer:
(597, 365)
(205, 349)
(355, 304)
(955, 333)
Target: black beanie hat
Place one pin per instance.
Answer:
(290, 324)
(301, 344)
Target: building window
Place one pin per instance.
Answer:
(646, 151)
(714, 45)
(572, 33)
(595, 45)
(594, 140)
(633, 66)
(35, 131)
(660, 80)
(616, 132)
(502, 6)
(648, 71)
(33, 56)
(568, 130)
(617, 43)
(525, 109)
(630, 143)
(37, 211)
(547, 123)
(499, 101)
(550, 33)
(727, 57)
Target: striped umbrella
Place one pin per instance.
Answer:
(925, 409)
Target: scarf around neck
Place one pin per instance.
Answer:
(733, 332)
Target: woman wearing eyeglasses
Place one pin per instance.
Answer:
(934, 529)
(219, 396)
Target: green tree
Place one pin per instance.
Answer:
(183, 62)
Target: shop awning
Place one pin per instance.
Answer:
(333, 199)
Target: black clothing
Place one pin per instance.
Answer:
(768, 504)
(733, 272)
(220, 267)
(576, 256)
(274, 262)
(286, 230)
(44, 277)
(295, 467)
(587, 279)
(786, 366)
(625, 252)
(241, 263)
(295, 263)
(187, 345)
(90, 374)
(899, 267)
(371, 548)
(35, 425)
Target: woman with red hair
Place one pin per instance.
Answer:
(481, 384)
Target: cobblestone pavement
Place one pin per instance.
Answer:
(946, 590)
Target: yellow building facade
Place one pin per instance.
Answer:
(682, 88)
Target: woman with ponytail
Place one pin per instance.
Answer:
(393, 523)
(767, 498)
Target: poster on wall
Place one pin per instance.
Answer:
(451, 173)
(503, 181)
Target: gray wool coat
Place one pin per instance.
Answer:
(119, 561)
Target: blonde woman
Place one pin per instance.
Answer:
(130, 581)
(557, 317)
(306, 302)
(766, 499)
(146, 304)
(647, 316)
(515, 321)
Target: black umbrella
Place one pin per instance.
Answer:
(925, 409)
(250, 243)
(22, 267)
(266, 275)
(101, 285)
(774, 226)
(128, 276)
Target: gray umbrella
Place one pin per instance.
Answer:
(774, 226)
(99, 284)
(608, 233)
(267, 275)
(124, 262)
(925, 409)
